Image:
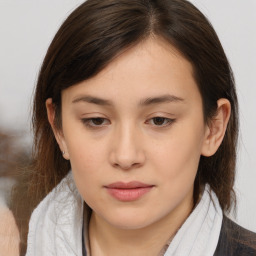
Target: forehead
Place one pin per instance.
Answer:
(151, 68)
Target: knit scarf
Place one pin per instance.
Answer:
(55, 227)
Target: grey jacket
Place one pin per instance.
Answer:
(235, 240)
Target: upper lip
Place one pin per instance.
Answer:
(128, 185)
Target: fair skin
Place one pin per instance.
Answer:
(140, 119)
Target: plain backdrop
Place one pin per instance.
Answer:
(27, 27)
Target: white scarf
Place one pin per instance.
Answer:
(55, 227)
(199, 235)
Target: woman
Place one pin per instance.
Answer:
(136, 122)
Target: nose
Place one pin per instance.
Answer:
(127, 149)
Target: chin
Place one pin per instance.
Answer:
(130, 221)
(131, 225)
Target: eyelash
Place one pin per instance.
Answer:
(167, 121)
(88, 122)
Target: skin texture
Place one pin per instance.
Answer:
(128, 143)
(9, 233)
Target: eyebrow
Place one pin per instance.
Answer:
(161, 99)
(93, 100)
(145, 102)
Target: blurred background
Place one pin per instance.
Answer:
(26, 29)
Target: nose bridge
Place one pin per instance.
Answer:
(127, 150)
(127, 143)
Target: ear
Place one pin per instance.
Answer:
(216, 128)
(57, 132)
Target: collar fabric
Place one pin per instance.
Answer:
(55, 227)
(199, 235)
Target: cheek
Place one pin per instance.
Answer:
(86, 163)
(178, 156)
(86, 158)
(176, 162)
(84, 152)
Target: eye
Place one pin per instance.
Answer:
(95, 122)
(160, 121)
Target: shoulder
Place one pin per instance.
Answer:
(235, 240)
(9, 234)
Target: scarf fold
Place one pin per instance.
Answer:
(55, 226)
(199, 235)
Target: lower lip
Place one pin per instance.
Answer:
(127, 195)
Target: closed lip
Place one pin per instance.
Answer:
(128, 191)
(128, 185)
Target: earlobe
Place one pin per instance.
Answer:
(216, 128)
(57, 132)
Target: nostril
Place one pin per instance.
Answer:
(127, 167)
(126, 157)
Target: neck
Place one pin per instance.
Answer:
(106, 239)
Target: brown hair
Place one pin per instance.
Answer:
(92, 36)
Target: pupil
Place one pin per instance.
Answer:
(159, 120)
(97, 121)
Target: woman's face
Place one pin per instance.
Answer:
(134, 134)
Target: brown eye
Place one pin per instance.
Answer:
(159, 120)
(97, 121)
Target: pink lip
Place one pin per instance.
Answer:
(130, 191)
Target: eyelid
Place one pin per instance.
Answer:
(88, 122)
(170, 121)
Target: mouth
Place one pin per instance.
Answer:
(127, 192)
